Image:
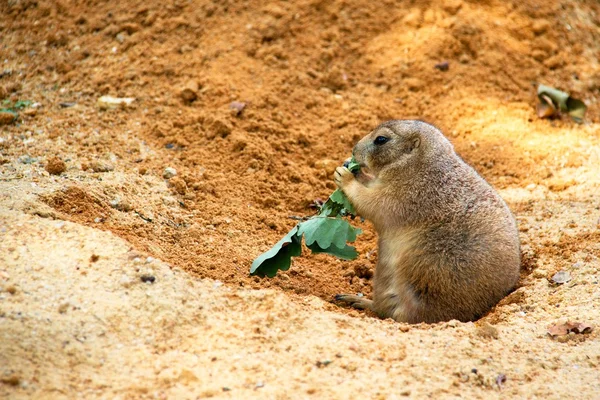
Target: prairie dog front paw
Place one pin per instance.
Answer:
(343, 177)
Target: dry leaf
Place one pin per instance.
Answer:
(500, 380)
(568, 327)
(546, 110)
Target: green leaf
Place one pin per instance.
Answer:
(554, 98)
(8, 110)
(340, 198)
(353, 166)
(327, 232)
(558, 97)
(577, 109)
(337, 204)
(278, 257)
(19, 105)
(345, 253)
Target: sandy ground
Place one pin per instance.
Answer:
(116, 282)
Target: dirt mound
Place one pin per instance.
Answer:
(314, 77)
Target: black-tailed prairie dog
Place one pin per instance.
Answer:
(448, 244)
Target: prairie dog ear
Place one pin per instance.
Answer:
(414, 143)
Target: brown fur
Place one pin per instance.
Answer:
(448, 244)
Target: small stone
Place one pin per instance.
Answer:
(169, 172)
(101, 166)
(148, 278)
(12, 380)
(189, 93)
(561, 277)
(55, 166)
(121, 37)
(63, 308)
(321, 364)
(442, 66)
(413, 84)
(109, 102)
(30, 112)
(27, 159)
(121, 205)
(540, 26)
(453, 323)
(186, 48)
(237, 107)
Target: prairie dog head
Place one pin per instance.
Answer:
(403, 146)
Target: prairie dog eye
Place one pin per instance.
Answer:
(379, 140)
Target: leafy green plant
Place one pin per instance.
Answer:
(553, 102)
(13, 108)
(327, 232)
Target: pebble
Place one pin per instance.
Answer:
(237, 107)
(121, 205)
(169, 172)
(109, 102)
(7, 118)
(101, 166)
(540, 26)
(148, 278)
(413, 84)
(27, 159)
(189, 93)
(561, 277)
(443, 66)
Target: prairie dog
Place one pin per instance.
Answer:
(448, 244)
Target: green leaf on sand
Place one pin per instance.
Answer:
(553, 101)
(326, 232)
(278, 256)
